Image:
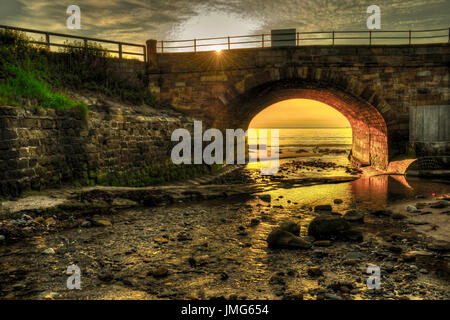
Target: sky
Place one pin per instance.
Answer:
(299, 113)
(138, 20)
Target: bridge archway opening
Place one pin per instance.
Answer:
(369, 130)
(306, 128)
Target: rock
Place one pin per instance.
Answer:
(408, 256)
(441, 246)
(323, 207)
(413, 268)
(282, 239)
(323, 243)
(2, 237)
(388, 267)
(49, 251)
(411, 208)
(354, 216)
(423, 271)
(350, 262)
(332, 296)
(50, 221)
(291, 227)
(161, 240)
(394, 248)
(224, 276)
(338, 201)
(355, 255)
(398, 216)
(183, 236)
(440, 204)
(39, 220)
(352, 235)
(385, 213)
(254, 222)
(86, 224)
(315, 271)
(160, 272)
(26, 217)
(118, 202)
(327, 227)
(101, 222)
(106, 277)
(265, 197)
(293, 295)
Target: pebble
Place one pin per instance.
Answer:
(160, 272)
(315, 271)
(265, 197)
(411, 208)
(102, 222)
(86, 224)
(48, 251)
(2, 237)
(332, 296)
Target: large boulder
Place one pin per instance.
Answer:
(328, 227)
(290, 227)
(279, 238)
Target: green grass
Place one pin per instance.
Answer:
(31, 75)
(23, 88)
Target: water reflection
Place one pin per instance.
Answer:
(366, 192)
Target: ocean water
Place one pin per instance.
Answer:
(304, 144)
(293, 139)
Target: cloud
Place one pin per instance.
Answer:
(138, 20)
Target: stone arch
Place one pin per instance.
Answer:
(370, 131)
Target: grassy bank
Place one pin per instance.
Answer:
(30, 75)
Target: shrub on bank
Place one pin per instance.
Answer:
(30, 75)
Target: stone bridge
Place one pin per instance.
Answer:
(396, 97)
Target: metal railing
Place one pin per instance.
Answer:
(120, 52)
(370, 37)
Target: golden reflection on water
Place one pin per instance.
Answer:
(366, 192)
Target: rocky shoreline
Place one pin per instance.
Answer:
(217, 241)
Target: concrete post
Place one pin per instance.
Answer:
(151, 53)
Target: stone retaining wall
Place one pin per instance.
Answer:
(45, 148)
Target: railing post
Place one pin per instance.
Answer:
(162, 46)
(47, 40)
(449, 35)
(409, 41)
(229, 43)
(262, 40)
(145, 52)
(85, 43)
(370, 38)
(333, 38)
(298, 39)
(195, 45)
(152, 48)
(120, 51)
